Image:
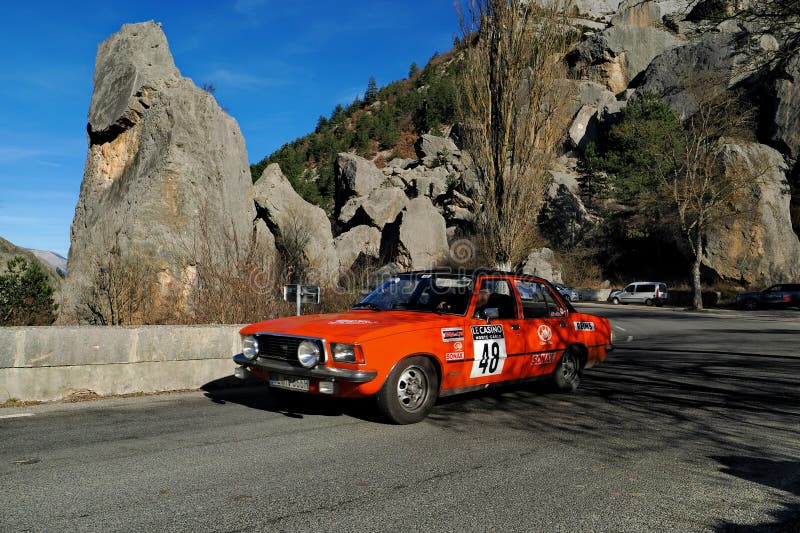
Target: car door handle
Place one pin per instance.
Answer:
(562, 324)
(515, 327)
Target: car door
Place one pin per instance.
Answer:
(546, 327)
(628, 294)
(492, 346)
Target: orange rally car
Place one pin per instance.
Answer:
(421, 335)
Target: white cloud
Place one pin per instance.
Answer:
(240, 80)
(16, 153)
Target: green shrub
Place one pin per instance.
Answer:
(26, 297)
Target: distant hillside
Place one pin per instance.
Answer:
(53, 259)
(382, 126)
(9, 250)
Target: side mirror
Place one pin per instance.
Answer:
(489, 313)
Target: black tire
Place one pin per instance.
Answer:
(750, 305)
(648, 302)
(567, 376)
(410, 391)
(615, 300)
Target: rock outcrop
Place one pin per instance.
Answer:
(564, 219)
(418, 238)
(362, 243)
(378, 208)
(783, 111)
(166, 173)
(759, 248)
(614, 57)
(355, 176)
(302, 230)
(542, 262)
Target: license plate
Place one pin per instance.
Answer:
(289, 382)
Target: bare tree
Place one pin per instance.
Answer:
(707, 185)
(229, 283)
(514, 110)
(122, 291)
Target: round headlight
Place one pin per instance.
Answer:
(308, 353)
(249, 346)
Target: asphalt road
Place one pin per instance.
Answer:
(693, 424)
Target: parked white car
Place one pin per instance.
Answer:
(645, 292)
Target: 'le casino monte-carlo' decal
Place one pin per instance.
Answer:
(490, 350)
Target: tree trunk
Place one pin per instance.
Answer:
(696, 288)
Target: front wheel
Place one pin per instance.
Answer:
(567, 376)
(615, 301)
(410, 391)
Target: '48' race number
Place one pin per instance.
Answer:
(490, 350)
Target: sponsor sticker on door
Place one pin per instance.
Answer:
(489, 346)
(545, 334)
(454, 356)
(452, 334)
(584, 326)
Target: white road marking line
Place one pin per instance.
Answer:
(620, 328)
(18, 415)
(630, 338)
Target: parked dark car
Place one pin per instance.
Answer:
(782, 295)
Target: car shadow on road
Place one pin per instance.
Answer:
(257, 395)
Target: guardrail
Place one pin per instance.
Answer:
(51, 363)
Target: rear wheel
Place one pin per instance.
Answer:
(410, 391)
(648, 301)
(567, 376)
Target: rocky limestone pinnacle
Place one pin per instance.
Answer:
(166, 186)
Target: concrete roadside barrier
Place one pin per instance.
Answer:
(51, 363)
(594, 295)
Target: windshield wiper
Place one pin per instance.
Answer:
(368, 305)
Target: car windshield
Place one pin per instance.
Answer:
(429, 293)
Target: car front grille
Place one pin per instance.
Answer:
(278, 347)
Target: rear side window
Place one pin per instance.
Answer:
(646, 288)
(537, 300)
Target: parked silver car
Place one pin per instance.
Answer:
(645, 292)
(570, 294)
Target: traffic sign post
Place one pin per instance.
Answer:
(302, 294)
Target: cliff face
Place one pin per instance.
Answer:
(166, 174)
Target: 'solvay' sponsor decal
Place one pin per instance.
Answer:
(584, 326)
(452, 334)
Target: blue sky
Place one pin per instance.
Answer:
(277, 67)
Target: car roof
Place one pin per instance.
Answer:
(474, 273)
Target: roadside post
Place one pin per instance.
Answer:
(301, 294)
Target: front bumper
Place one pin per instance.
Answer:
(318, 372)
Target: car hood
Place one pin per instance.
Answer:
(354, 326)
